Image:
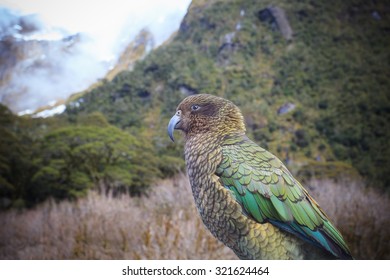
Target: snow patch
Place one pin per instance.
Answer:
(25, 112)
(50, 112)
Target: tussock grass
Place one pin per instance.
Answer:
(165, 225)
(162, 225)
(362, 215)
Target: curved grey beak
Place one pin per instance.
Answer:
(172, 125)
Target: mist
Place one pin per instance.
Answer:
(52, 49)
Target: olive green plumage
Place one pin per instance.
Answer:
(245, 195)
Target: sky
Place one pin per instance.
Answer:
(108, 25)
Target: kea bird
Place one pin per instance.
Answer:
(245, 195)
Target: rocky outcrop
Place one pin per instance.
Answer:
(137, 49)
(285, 108)
(277, 19)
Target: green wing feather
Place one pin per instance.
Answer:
(269, 193)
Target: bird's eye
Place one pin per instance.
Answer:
(195, 107)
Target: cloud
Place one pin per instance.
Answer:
(104, 29)
(109, 23)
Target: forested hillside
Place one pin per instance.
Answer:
(311, 78)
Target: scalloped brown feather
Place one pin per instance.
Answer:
(209, 125)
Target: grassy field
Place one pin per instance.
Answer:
(165, 225)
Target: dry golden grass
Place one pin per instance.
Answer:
(362, 215)
(165, 225)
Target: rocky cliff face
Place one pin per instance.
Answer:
(22, 61)
(41, 67)
(28, 50)
(39, 64)
(137, 49)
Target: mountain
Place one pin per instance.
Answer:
(310, 77)
(137, 49)
(37, 62)
(331, 66)
(41, 66)
(22, 61)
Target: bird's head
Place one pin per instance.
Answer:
(202, 113)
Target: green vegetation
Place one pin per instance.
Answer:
(68, 161)
(334, 70)
(73, 159)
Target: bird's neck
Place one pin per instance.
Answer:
(203, 155)
(199, 147)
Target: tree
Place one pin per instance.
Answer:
(77, 158)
